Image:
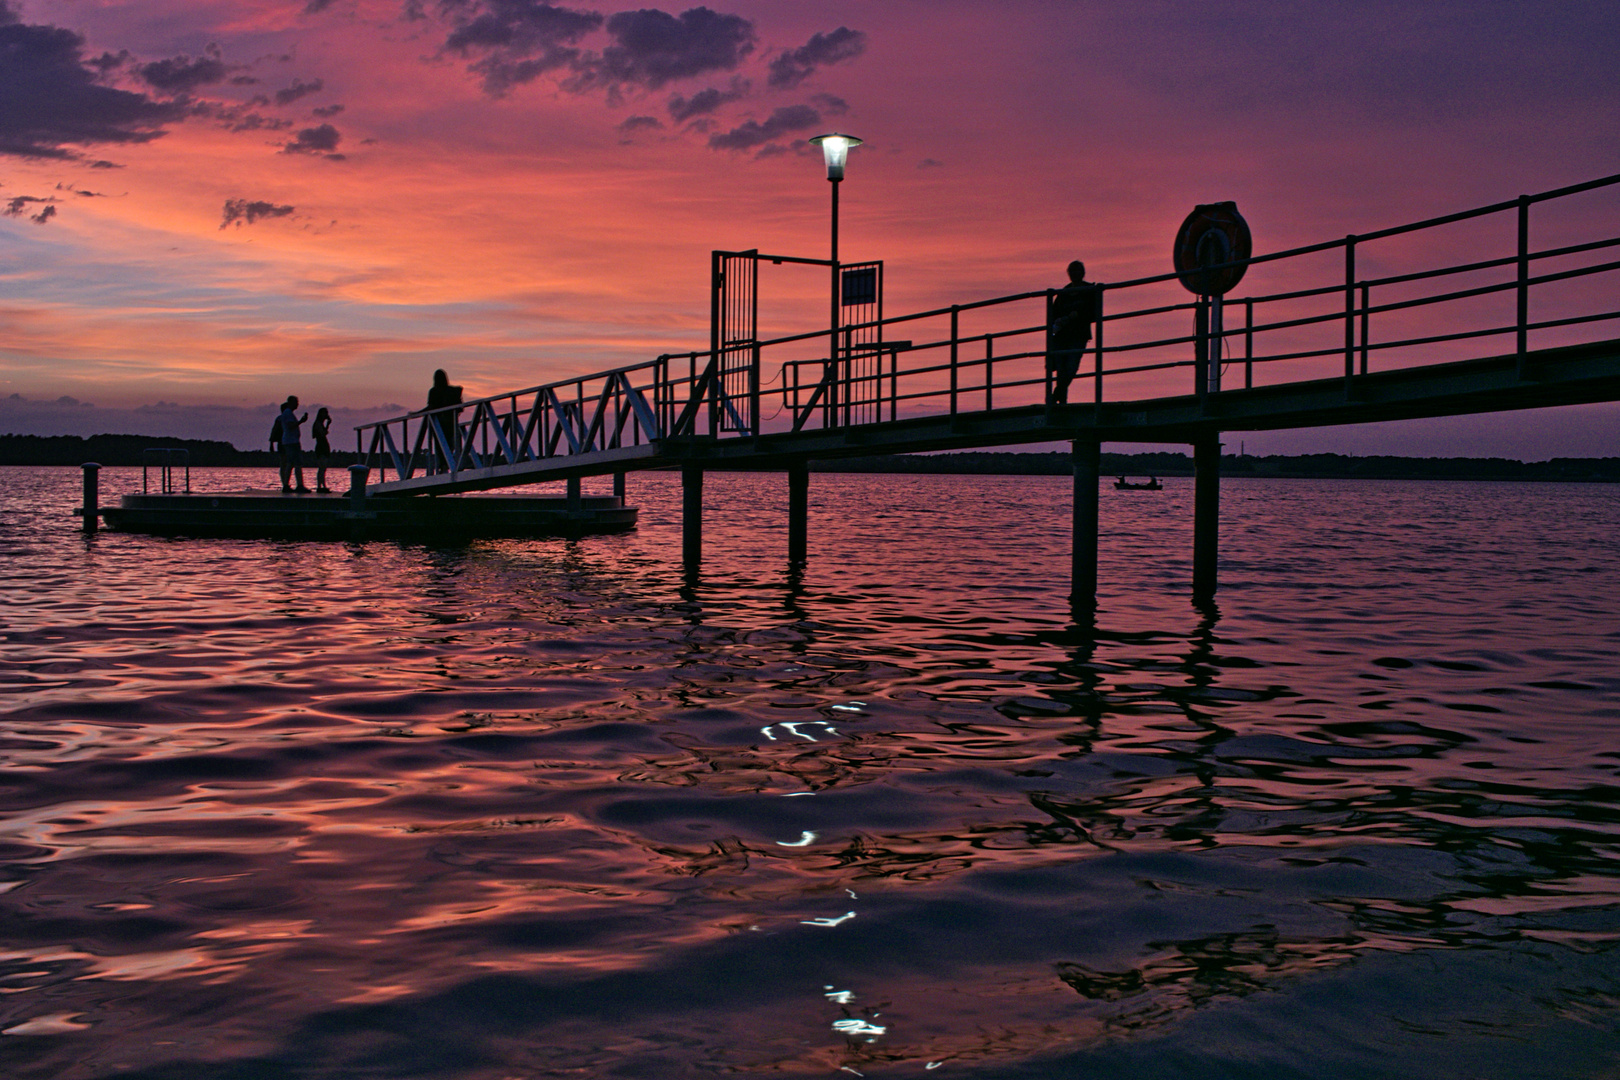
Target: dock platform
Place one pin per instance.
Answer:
(254, 514)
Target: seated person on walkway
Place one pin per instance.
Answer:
(1074, 308)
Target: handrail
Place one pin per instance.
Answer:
(1000, 361)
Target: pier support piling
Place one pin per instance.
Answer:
(576, 498)
(1087, 458)
(691, 516)
(798, 512)
(92, 496)
(618, 487)
(1206, 513)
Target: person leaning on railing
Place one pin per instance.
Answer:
(1074, 310)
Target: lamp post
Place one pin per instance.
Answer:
(835, 148)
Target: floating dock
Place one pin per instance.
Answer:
(274, 515)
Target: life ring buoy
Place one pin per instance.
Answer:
(1212, 234)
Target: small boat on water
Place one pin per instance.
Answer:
(1121, 484)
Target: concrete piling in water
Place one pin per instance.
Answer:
(576, 500)
(798, 512)
(91, 510)
(1087, 457)
(691, 516)
(1206, 513)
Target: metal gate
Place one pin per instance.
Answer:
(734, 337)
(861, 341)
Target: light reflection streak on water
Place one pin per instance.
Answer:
(279, 779)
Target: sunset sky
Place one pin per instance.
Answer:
(212, 203)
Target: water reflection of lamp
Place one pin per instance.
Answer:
(835, 149)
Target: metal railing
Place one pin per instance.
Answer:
(165, 459)
(1318, 316)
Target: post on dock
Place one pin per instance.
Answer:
(357, 486)
(1206, 512)
(576, 498)
(92, 496)
(618, 487)
(1086, 455)
(691, 516)
(798, 512)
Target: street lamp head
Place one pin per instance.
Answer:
(835, 148)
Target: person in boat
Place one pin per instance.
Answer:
(292, 451)
(320, 430)
(1074, 308)
(442, 395)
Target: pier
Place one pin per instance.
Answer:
(1515, 326)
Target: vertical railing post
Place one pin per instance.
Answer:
(92, 496)
(955, 313)
(846, 371)
(1097, 387)
(989, 370)
(894, 383)
(1349, 312)
(1248, 344)
(1201, 348)
(1522, 324)
(753, 390)
(1366, 329)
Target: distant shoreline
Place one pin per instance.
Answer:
(209, 453)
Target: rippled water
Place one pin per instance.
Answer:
(532, 809)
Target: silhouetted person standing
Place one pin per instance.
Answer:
(292, 452)
(320, 430)
(1075, 308)
(441, 395)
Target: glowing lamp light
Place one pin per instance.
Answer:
(835, 148)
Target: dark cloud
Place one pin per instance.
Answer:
(242, 212)
(327, 110)
(831, 103)
(19, 207)
(316, 140)
(299, 90)
(653, 48)
(182, 75)
(49, 98)
(796, 65)
(639, 123)
(516, 41)
(511, 42)
(784, 121)
(704, 102)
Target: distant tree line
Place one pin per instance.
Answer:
(127, 450)
(206, 453)
(1303, 466)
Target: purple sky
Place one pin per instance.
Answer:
(212, 204)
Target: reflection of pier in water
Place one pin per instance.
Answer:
(1336, 339)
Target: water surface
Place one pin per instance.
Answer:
(547, 808)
